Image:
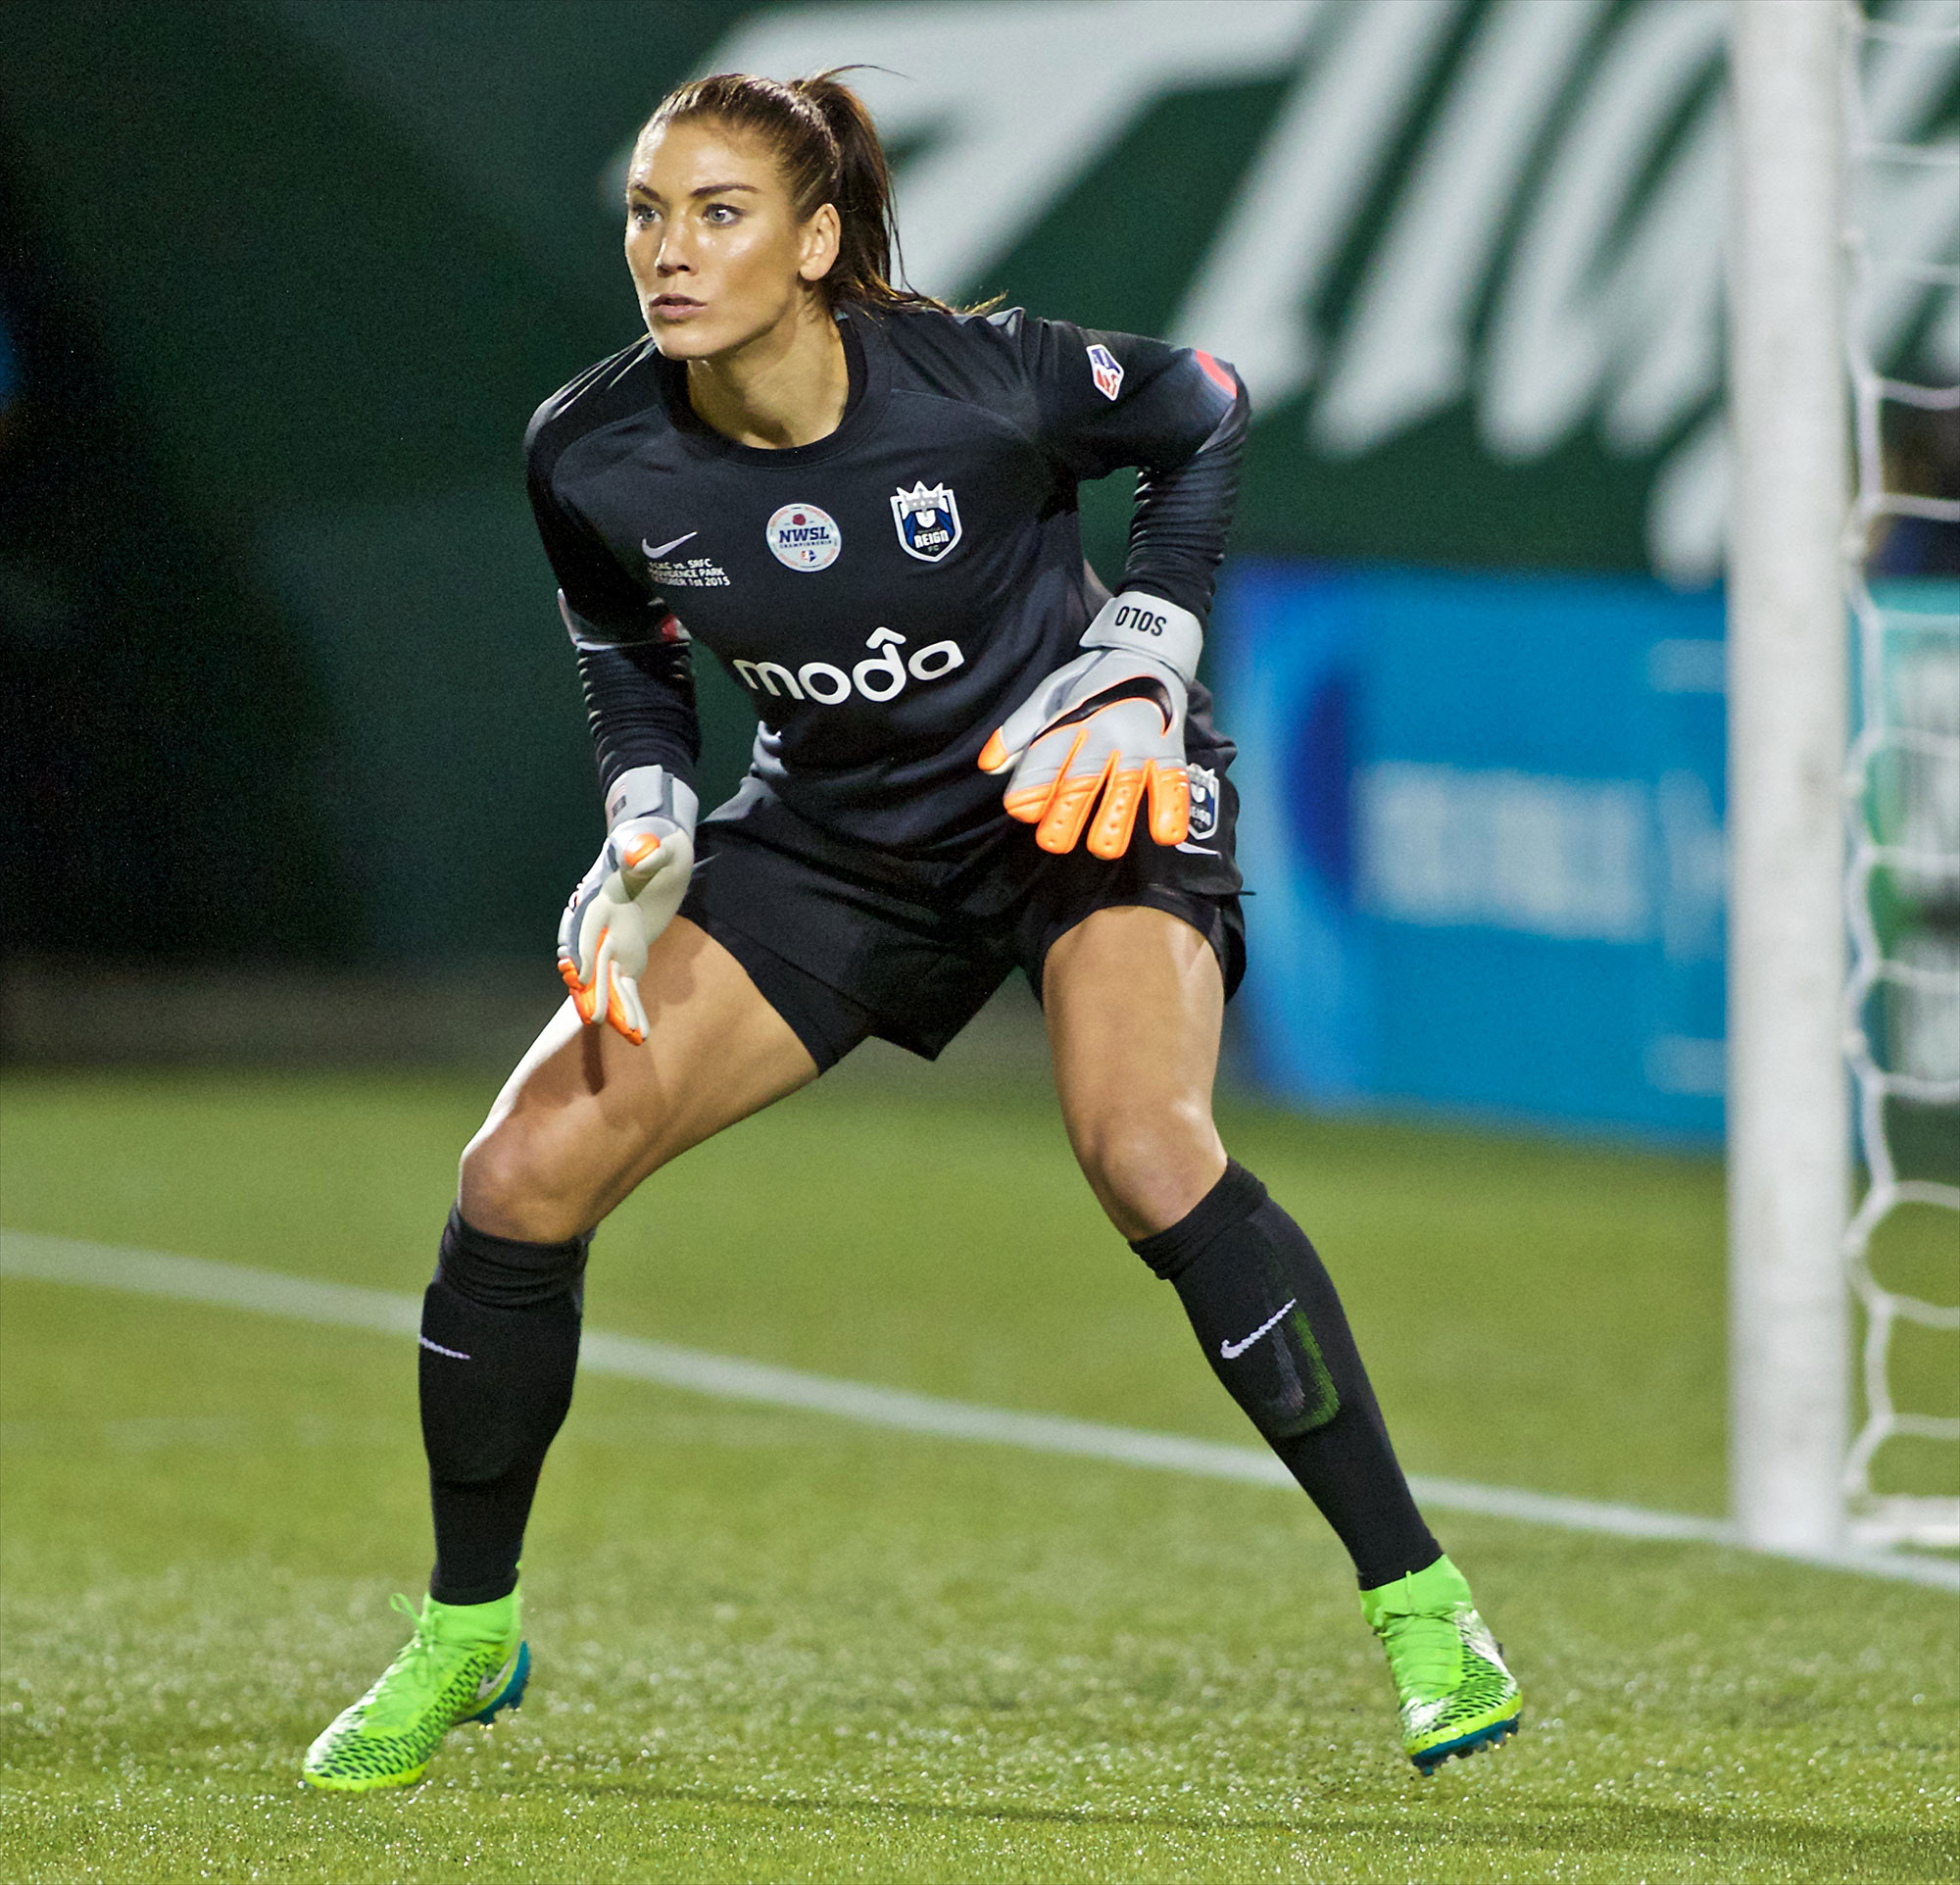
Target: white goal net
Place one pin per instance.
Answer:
(1901, 202)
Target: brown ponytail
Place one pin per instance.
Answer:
(827, 146)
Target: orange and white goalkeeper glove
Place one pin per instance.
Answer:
(1108, 726)
(628, 896)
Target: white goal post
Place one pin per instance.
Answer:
(1789, 1127)
(1813, 261)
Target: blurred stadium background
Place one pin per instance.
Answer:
(281, 283)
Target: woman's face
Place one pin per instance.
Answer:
(716, 252)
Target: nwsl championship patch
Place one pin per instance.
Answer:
(928, 521)
(803, 537)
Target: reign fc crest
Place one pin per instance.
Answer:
(928, 521)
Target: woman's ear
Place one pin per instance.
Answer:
(818, 246)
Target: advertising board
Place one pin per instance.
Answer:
(1482, 827)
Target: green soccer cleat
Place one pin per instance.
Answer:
(464, 1663)
(1456, 1694)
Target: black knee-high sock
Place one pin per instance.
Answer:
(498, 1354)
(1272, 1327)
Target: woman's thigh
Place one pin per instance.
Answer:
(586, 1115)
(1135, 1002)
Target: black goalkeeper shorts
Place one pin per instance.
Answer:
(849, 944)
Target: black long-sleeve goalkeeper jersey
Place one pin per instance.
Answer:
(890, 593)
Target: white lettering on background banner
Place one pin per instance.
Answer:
(1551, 254)
(1502, 850)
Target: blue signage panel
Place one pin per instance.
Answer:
(1481, 824)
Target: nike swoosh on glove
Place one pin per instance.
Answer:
(1111, 724)
(622, 904)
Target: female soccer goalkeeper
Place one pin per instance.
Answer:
(969, 758)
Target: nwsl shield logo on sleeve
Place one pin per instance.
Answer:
(1107, 369)
(928, 521)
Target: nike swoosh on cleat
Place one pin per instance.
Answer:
(490, 1684)
(650, 553)
(1231, 1351)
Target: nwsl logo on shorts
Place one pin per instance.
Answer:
(928, 521)
(803, 537)
(1107, 369)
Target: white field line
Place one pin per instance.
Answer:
(32, 1256)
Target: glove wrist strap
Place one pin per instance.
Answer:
(652, 792)
(1148, 625)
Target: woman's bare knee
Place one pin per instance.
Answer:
(1148, 1168)
(586, 1116)
(509, 1186)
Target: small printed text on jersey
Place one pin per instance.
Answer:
(682, 573)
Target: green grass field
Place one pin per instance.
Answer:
(775, 1645)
